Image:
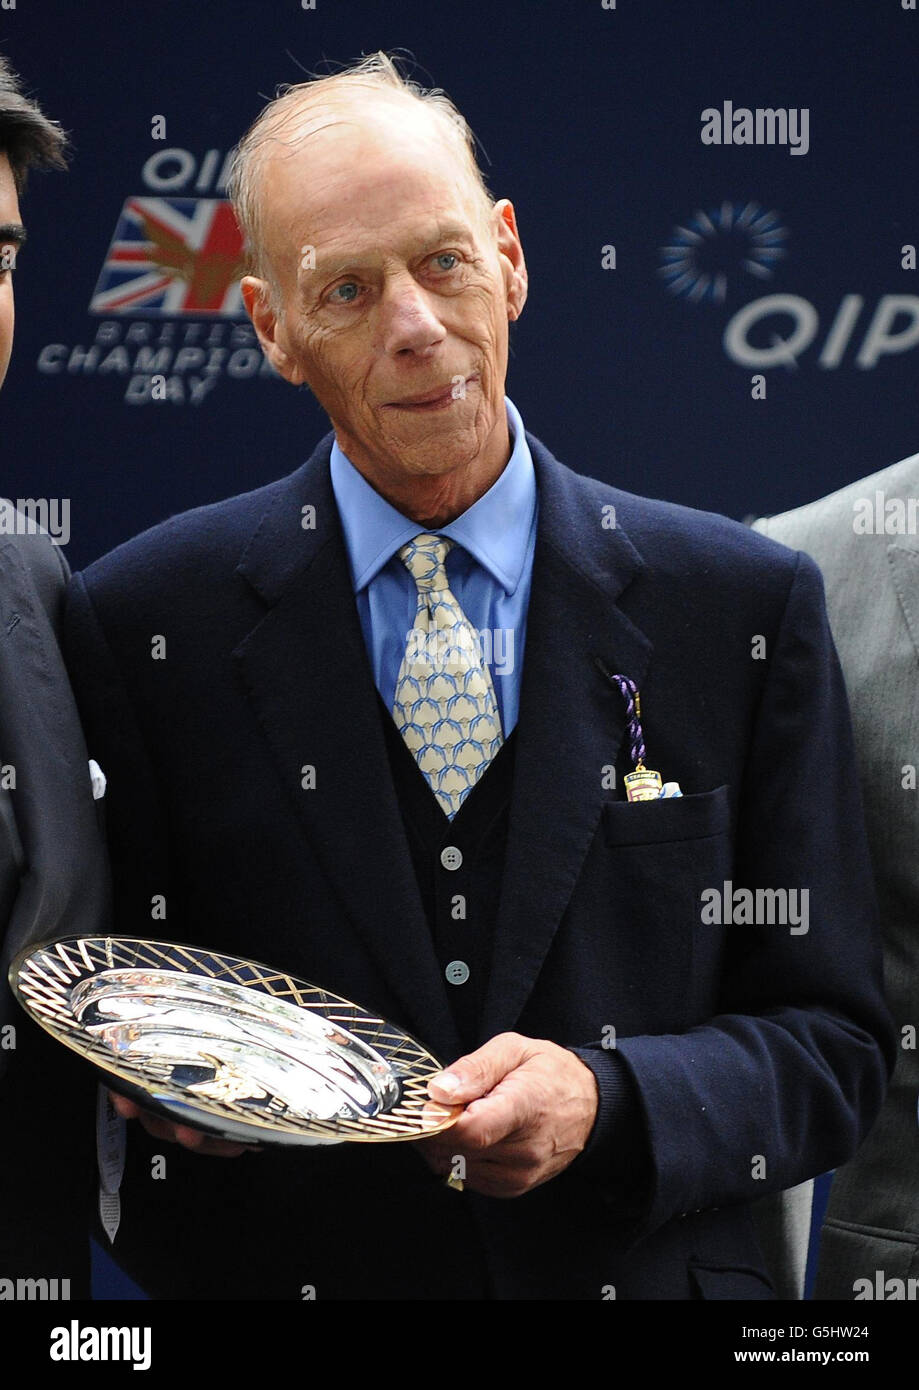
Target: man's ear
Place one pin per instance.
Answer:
(511, 252)
(257, 298)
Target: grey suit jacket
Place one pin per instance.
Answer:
(861, 539)
(53, 881)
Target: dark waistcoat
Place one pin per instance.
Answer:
(459, 865)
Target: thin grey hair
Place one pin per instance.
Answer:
(375, 78)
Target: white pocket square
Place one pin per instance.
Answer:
(97, 777)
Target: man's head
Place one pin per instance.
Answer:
(383, 273)
(27, 140)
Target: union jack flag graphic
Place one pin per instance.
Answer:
(172, 257)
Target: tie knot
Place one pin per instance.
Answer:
(424, 559)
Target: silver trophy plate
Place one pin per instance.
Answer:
(230, 1046)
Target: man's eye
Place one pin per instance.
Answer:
(345, 292)
(8, 257)
(449, 256)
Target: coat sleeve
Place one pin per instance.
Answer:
(784, 1081)
(136, 820)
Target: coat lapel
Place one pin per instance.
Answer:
(571, 722)
(308, 676)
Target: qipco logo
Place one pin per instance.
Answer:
(780, 329)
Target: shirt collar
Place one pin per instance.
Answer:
(495, 529)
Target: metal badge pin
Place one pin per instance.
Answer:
(642, 784)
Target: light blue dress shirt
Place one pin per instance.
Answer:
(489, 568)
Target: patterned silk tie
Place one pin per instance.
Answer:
(445, 703)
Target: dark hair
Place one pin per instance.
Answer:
(27, 138)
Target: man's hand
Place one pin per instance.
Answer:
(531, 1109)
(194, 1139)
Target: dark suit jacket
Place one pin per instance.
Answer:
(53, 881)
(758, 1056)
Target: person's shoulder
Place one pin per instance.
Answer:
(855, 510)
(189, 548)
(660, 528)
(673, 541)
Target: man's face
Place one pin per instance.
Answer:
(9, 218)
(409, 298)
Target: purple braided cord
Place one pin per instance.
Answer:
(629, 691)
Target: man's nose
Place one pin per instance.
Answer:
(408, 321)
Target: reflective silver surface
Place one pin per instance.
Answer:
(231, 1043)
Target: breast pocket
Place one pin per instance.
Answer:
(694, 817)
(656, 859)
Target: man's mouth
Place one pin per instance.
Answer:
(439, 399)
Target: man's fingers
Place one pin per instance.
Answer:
(124, 1107)
(157, 1127)
(486, 1122)
(202, 1143)
(503, 1175)
(194, 1139)
(500, 1118)
(478, 1072)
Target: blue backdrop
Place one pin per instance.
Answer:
(590, 119)
(667, 271)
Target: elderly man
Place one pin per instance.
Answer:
(53, 876)
(437, 826)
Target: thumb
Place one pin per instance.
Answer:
(479, 1072)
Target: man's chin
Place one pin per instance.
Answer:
(433, 452)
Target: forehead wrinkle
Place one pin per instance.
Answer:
(353, 243)
(417, 242)
(405, 154)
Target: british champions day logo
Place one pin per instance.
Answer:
(708, 258)
(172, 317)
(172, 256)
